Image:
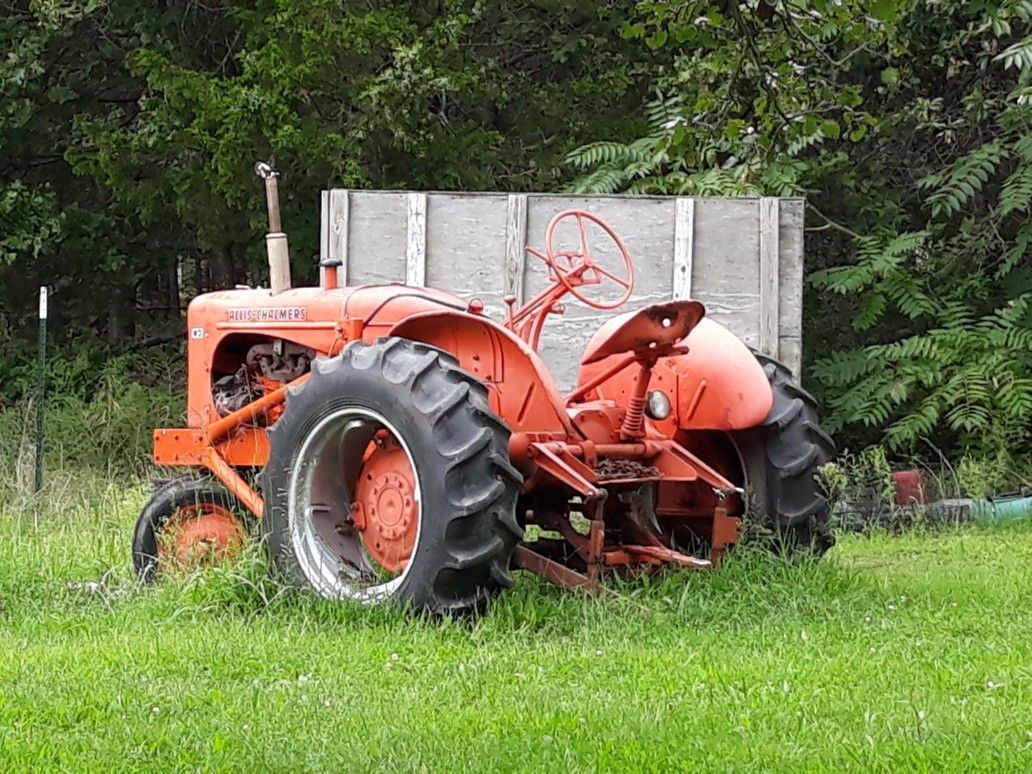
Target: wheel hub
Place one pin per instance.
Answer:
(198, 535)
(385, 510)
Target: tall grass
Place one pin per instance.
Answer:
(100, 429)
(894, 652)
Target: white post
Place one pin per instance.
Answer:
(684, 246)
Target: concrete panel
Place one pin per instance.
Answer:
(792, 354)
(725, 269)
(378, 237)
(465, 247)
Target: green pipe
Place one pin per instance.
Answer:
(998, 510)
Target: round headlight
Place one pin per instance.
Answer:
(658, 406)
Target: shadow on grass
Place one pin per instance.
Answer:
(751, 587)
(71, 558)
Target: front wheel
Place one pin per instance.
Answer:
(186, 524)
(389, 479)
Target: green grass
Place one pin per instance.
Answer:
(912, 652)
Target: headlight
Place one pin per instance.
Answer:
(658, 406)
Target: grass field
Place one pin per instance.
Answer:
(910, 652)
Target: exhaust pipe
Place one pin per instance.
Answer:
(275, 239)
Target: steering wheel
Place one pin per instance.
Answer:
(576, 268)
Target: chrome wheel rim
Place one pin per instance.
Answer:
(329, 550)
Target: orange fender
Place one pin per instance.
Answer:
(718, 385)
(520, 388)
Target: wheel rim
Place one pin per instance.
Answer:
(354, 506)
(199, 535)
(384, 509)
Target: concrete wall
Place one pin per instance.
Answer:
(741, 257)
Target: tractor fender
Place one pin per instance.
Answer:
(520, 388)
(717, 385)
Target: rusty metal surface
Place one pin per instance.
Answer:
(650, 332)
(661, 555)
(524, 558)
(725, 532)
(626, 470)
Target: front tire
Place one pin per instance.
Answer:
(389, 479)
(188, 522)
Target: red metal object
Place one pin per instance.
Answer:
(595, 452)
(650, 333)
(655, 555)
(911, 486)
(575, 268)
(570, 270)
(199, 534)
(725, 532)
(524, 558)
(715, 384)
(385, 509)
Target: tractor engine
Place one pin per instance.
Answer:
(266, 367)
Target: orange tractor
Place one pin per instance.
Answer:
(395, 443)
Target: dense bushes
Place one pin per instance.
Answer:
(907, 125)
(101, 410)
(125, 176)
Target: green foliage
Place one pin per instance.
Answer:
(969, 377)
(984, 477)
(909, 127)
(127, 136)
(955, 187)
(29, 221)
(742, 110)
(962, 373)
(99, 415)
(128, 133)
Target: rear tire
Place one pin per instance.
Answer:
(465, 487)
(782, 458)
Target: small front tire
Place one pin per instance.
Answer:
(188, 522)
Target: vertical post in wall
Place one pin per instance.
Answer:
(415, 243)
(324, 226)
(515, 245)
(684, 247)
(770, 286)
(333, 241)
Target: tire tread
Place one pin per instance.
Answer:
(475, 529)
(794, 448)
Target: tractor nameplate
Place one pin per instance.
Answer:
(273, 314)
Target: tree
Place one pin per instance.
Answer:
(130, 131)
(909, 124)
